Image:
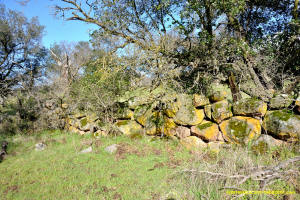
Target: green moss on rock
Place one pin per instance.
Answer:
(204, 125)
(83, 122)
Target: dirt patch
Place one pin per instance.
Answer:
(156, 151)
(113, 175)
(97, 143)
(117, 196)
(157, 165)
(172, 163)
(155, 196)
(125, 149)
(13, 189)
(86, 142)
(63, 141)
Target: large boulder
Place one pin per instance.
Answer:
(221, 110)
(193, 143)
(281, 101)
(184, 112)
(250, 107)
(129, 127)
(207, 131)
(241, 130)
(282, 124)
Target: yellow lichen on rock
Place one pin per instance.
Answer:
(193, 143)
(191, 117)
(168, 126)
(207, 130)
(250, 107)
(240, 130)
(218, 96)
(207, 111)
(200, 100)
(128, 127)
(221, 110)
(100, 133)
(283, 124)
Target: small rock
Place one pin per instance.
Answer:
(87, 150)
(111, 149)
(40, 146)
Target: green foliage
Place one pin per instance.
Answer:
(19, 113)
(22, 57)
(102, 82)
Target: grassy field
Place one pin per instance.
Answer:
(141, 168)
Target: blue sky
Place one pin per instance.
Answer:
(56, 30)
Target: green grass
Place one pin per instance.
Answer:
(141, 169)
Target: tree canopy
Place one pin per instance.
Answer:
(21, 53)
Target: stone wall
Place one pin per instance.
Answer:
(197, 120)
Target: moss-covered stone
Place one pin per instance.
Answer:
(221, 110)
(79, 115)
(207, 111)
(125, 113)
(128, 127)
(250, 107)
(241, 130)
(200, 100)
(168, 126)
(100, 133)
(207, 131)
(83, 122)
(282, 124)
(183, 111)
(281, 101)
(92, 117)
(193, 143)
(142, 113)
(216, 96)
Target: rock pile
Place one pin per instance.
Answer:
(83, 123)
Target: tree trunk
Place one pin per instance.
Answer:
(235, 91)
